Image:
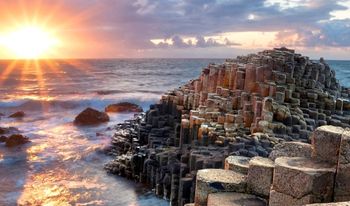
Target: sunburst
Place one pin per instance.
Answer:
(30, 42)
(35, 36)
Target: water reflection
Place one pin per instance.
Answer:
(63, 165)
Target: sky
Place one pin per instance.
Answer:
(183, 28)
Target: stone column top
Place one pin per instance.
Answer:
(220, 175)
(304, 164)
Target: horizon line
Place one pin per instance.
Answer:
(116, 58)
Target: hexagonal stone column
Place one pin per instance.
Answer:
(234, 199)
(330, 204)
(237, 163)
(298, 180)
(342, 180)
(260, 173)
(326, 142)
(291, 149)
(217, 180)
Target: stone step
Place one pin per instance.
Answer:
(342, 180)
(237, 163)
(326, 143)
(217, 180)
(259, 178)
(330, 204)
(234, 199)
(299, 180)
(291, 149)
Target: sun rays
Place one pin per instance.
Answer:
(30, 42)
(33, 35)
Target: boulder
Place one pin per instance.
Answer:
(7, 130)
(19, 114)
(3, 138)
(123, 107)
(3, 130)
(281, 113)
(15, 140)
(91, 116)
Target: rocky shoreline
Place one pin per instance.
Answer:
(246, 107)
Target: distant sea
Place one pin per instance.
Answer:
(64, 163)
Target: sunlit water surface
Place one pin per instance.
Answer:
(63, 165)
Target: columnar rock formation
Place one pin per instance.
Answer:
(322, 177)
(243, 107)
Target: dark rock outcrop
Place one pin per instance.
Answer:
(15, 140)
(8, 130)
(123, 107)
(19, 114)
(3, 138)
(90, 117)
(3, 130)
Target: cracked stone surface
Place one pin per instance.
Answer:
(217, 180)
(299, 177)
(234, 199)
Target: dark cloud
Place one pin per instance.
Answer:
(143, 20)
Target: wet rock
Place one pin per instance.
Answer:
(15, 140)
(123, 107)
(3, 138)
(3, 130)
(19, 114)
(90, 117)
(8, 130)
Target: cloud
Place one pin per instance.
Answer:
(175, 19)
(197, 42)
(130, 25)
(335, 33)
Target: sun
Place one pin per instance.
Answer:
(30, 42)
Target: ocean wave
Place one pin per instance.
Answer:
(37, 104)
(108, 92)
(70, 103)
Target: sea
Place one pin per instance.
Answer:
(63, 163)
